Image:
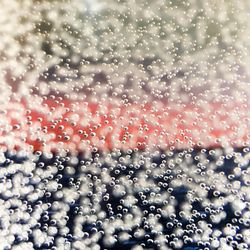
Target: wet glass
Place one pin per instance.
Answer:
(124, 124)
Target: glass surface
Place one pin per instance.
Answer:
(124, 124)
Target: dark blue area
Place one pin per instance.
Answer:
(147, 241)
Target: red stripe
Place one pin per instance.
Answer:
(56, 124)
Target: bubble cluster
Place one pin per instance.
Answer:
(124, 124)
(127, 49)
(118, 200)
